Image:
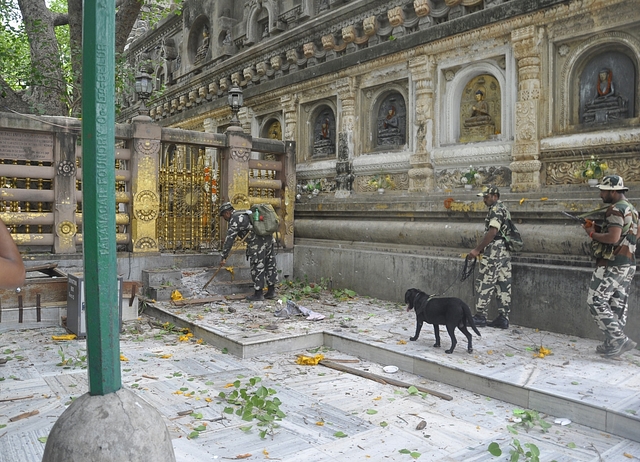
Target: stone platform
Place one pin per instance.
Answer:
(332, 415)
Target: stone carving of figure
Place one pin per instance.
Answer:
(325, 129)
(479, 112)
(201, 53)
(389, 130)
(390, 122)
(227, 39)
(606, 104)
(323, 144)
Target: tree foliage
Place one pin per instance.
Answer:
(41, 50)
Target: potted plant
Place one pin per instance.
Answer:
(381, 182)
(470, 177)
(592, 170)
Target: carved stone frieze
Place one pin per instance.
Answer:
(421, 7)
(495, 175)
(396, 16)
(399, 182)
(240, 154)
(66, 168)
(526, 120)
(147, 244)
(148, 147)
(320, 169)
(376, 163)
(481, 154)
(66, 229)
(146, 205)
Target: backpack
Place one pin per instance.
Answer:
(264, 219)
(512, 239)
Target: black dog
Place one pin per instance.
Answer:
(450, 311)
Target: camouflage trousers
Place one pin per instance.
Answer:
(495, 276)
(262, 260)
(608, 299)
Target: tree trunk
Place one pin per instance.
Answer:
(10, 100)
(74, 8)
(126, 17)
(47, 92)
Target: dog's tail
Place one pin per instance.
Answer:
(469, 318)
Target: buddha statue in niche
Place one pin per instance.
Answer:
(390, 123)
(479, 112)
(324, 136)
(606, 104)
(201, 53)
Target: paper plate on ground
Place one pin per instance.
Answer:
(390, 369)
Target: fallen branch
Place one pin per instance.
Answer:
(197, 301)
(24, 415)
(383, 380)
(15, 399)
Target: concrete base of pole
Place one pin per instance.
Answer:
(115, 427)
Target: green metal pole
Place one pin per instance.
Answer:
(99, 196)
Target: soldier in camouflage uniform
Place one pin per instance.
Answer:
(614, 246)
(260, 251)
(495, 266)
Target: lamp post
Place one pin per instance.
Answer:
(235, 103)
(144, 88)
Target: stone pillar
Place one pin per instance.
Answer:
(289, 194)
(346, 89)
(144, 186)
(526, 149)
(246, 117)
(234, 176)
(421, 174)
(290, 106)
(65, 229)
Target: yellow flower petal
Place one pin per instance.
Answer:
(544, 198)
(63, 337)
(522, 200)
(123, 358)
(320, 424)
(402, 342)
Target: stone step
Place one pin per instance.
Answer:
(163, 293)
(161, 277)
(241, 286)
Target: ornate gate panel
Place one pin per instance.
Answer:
(188, 189)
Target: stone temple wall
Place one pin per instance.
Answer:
(398, 107)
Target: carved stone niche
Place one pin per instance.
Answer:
(199, 41)
(391, 121)
(606, 90)
(323, 124)
(480, 109)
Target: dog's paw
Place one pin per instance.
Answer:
(413, 339)
(470, 350)
(448, 351)
(436, 345)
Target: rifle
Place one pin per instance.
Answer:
(583, 221)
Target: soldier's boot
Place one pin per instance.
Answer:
(256, 297)
(271, 293)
